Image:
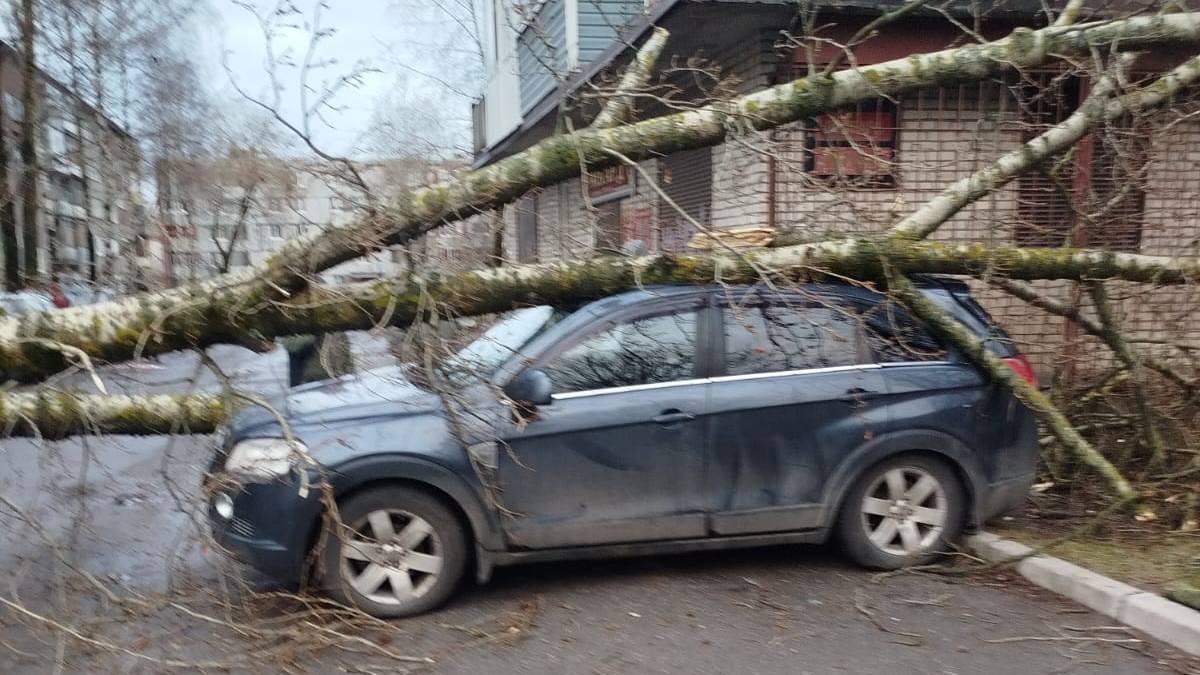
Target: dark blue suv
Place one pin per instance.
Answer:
(663, 419)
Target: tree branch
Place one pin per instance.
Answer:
(620, 106)
(870, 30)
(228, 315)
(1099, 106)
(975, 350)
(1024, 292)
(1112, 336)
(53, 415)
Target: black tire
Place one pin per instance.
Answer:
(854, 526)
(447, 537)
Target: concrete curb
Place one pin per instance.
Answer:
(1154, 615)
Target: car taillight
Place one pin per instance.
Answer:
(1021, 366)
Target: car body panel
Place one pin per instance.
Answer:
(599, 469)
(765, 459)
(774, 440)
(603, 466)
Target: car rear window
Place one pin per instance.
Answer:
(895, 337)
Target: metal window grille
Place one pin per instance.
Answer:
(855, 147)
(1045, 216)
(687, 178)
(527, 230)
(608, 226)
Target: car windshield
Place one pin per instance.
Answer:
(489, 351)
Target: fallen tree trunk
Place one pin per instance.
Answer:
(1041, 405)
(216, 310)
(225, 316)
(560, 157)
(55, 414)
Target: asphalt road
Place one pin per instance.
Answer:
(787, 610)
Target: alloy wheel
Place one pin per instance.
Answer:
(391, 556)
(904, 511)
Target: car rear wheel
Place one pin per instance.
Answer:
(903, 511)
(398, 552)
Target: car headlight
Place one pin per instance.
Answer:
(263, 457)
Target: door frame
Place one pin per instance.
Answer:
(697, 301)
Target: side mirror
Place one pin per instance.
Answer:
(531, 387)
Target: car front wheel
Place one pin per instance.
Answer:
(903, 511)
(397, 552)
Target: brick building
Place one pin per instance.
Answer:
(91, 220)
(853, 172)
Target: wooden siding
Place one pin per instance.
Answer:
(542, 53)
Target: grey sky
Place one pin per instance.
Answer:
(376, 33)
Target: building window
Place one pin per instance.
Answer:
(1045, 215)
(1118, 201)
(854, 148)
(1104, 181)
(608, 227)
(527, 230)
(275, 230)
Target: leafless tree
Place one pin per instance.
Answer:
(611, 129)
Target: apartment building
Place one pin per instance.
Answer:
(91, 221)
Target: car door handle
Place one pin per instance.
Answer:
(673, 417)
(857, 394)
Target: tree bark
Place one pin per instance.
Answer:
(8, 216)
(54, 415)
(226, 314)
(28, 144)
(975, 350)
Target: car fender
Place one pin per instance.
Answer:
(361, 471)
(887, 445)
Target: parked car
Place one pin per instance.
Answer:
(25, 302)
(664, 419)
(83, 293)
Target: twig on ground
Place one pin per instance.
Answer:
(914, 639)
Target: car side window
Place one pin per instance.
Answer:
(646, 350)
(767, 339)
(894, 337)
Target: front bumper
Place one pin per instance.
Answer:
(271, 527)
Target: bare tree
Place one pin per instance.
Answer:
(30, 130)
(282, 296)
(8, 217)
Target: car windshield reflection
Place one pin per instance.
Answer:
(484, 355)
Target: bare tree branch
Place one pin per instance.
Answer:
(620, 106)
